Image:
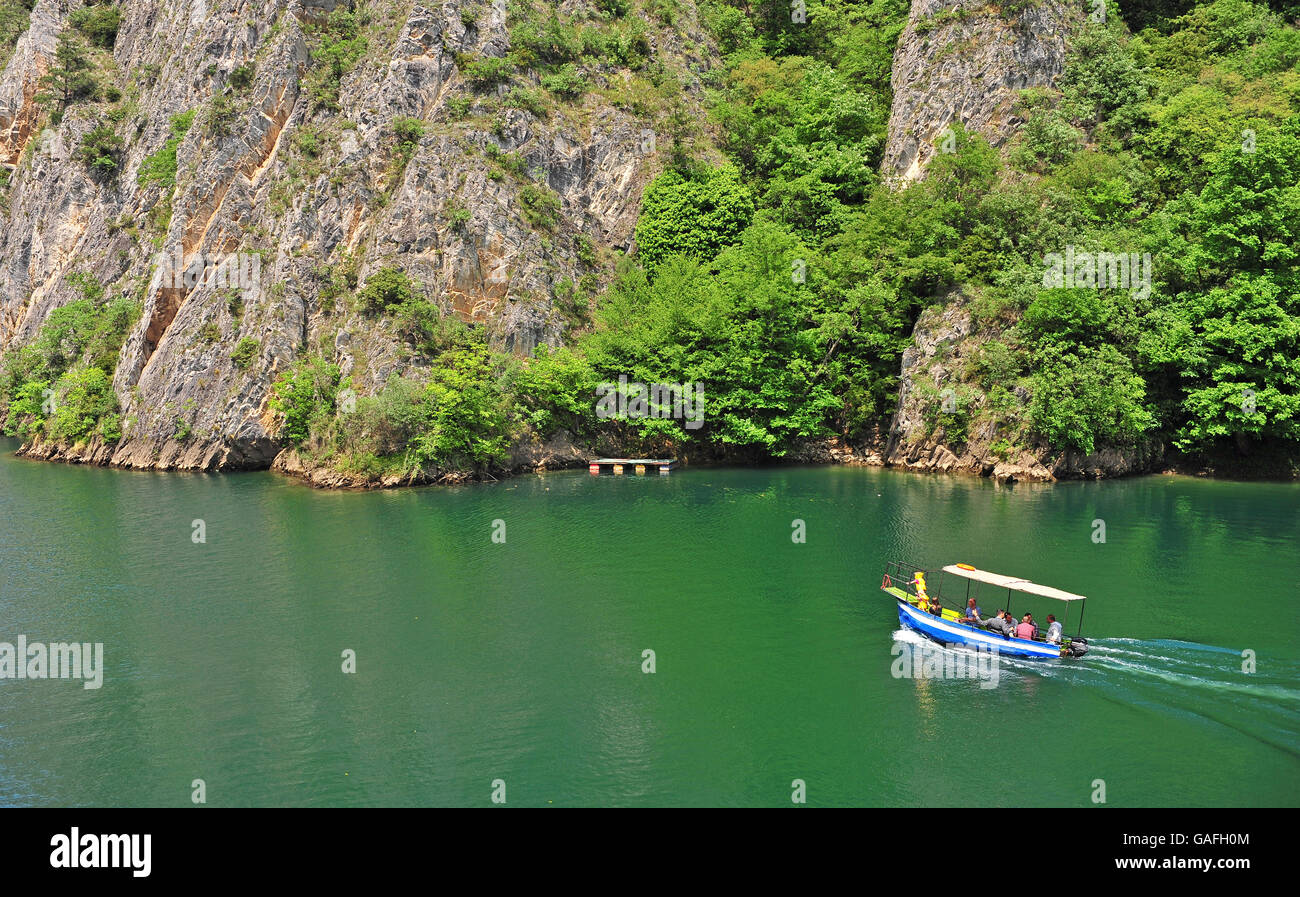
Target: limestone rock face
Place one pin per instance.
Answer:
(981, 437)
(29, 62)
(293, 184)
(287, 185)
(966, 61)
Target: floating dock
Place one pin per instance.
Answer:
(639, 465)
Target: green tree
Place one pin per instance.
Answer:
(1236, 342)
(1089, 397)
(28, 409)
(69, 78)
(1102, 82)
(747, 333)
(385, 288)
(466, 418)
(85, 406)
(554, 389)
(305, 395)
(339, 43)
(695, 216)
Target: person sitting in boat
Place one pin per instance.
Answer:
(1026, 629)
(972, 613)
(935, 607)
(1054, 633)
(1001, 623)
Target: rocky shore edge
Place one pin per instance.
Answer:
(1043, 465)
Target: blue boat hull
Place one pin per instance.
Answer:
(949, 633)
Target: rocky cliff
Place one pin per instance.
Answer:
(960, 411)
(241, 168)
(295, 180)
(965, 61)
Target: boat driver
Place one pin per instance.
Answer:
(1054, 628)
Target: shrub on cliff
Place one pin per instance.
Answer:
(810, 137)
(29, 402)
(100, 151)
(567, 82)
(555, 389)
(160, 167)
(305, 396)
(385, 288)
(15, 17)
(1046, 140)
(99, 22)
(85, 329)
(465, 425)
(241, 76)
(540, 205)
(544, 40)
(245, 352)
(71, 362)
(337, 44)
(1086, 397)
(747, 330)
(457, 420)
(84, 406)
(484, 71)
(384, 424)
(1231, 336)
(1102, 84)
(408, 131)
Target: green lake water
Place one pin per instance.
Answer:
(522, 661)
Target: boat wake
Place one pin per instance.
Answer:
(1193, 665)
(1186, 679)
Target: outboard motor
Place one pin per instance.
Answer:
(1077, 647)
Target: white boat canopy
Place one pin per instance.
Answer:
(1010, 582)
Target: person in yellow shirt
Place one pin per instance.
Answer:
(922, 597)
(923, 600)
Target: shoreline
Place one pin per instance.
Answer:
(536, 458)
